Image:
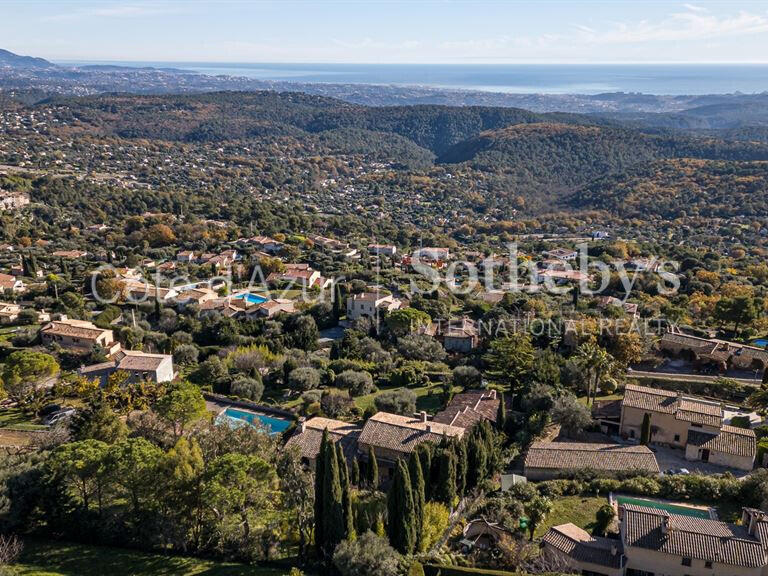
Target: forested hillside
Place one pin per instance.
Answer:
(512, 158)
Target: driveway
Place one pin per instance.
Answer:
(675, 458)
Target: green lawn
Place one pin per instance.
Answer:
(18, 420)
(63, 559)
(579, 510)
(429, 402)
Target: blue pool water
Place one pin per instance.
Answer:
(274, 425)
(762, 343)
(251, 298)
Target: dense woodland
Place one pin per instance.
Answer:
(133, 180)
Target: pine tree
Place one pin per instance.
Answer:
(401, 526)
(320, 492)
(346, 495)
(373, 469)
(417, 486)
(460, 448)
(333, 513)
(354, 473)
(445, 489)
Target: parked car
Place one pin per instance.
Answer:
(59, 415)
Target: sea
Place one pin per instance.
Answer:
(672, 79)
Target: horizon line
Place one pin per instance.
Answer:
(453, 63)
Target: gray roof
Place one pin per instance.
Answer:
(576, 456)
(583, 547)
(730, 440)
(689, 537)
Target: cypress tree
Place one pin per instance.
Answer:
(445, 489)
(373, 469)
(333, 513)
(461, 466)
(401, 526)
(320, 492)
(477, 460)
(346, 494)
(354, 475)
(645, 431)
(338, 302)
(424, 450)
(501, 413)
(417, 486)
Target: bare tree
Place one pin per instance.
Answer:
(10, 549)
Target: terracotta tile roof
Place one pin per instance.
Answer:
(576, 456)
(684, 408)
(730, 440)
(468, 408)
(141, 361)
(308, 441)
(583, 547)
(699, 412)
(688, 537)
(402, 433)
(74, 328)
(646, 398)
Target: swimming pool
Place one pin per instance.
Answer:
(251, 298)
(671, 508)
(237, 417)
(762, 343)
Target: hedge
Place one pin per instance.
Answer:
(438, 570)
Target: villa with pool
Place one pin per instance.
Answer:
(245, 304)
(235, 413)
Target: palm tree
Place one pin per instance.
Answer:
(758, 400)
(596, 363)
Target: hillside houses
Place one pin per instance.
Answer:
(694, 425)
(12, 284)
(370, 304)
(9, 312)
(299, 276)
(720, 354)
(654, 541)
(548, 460)
(79, 336)
(138, 366)
(10, 200)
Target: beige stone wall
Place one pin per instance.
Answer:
(666, 424)
(667, 564)
(584, 566)
(693, 453)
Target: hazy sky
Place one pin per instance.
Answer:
(388, 31)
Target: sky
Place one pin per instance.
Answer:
(361, 31)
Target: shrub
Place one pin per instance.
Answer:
(185, 354)
(244, 387)
(369, 555)
(358, 383)
(304, 378)
(396, 401)
(466, 376)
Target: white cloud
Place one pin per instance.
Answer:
(116, 11)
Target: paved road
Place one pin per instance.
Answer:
(643, 375)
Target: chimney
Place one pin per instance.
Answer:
(423, 416)
(665, 528)
(614, 549)
(493, 394)
(302, 424)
